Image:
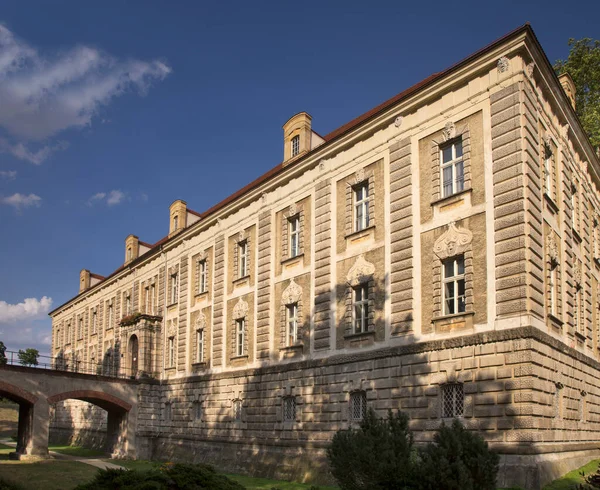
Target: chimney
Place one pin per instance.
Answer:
(132, 248)
(177, 216)
(297, 135)
(568, 86)
(84, 280)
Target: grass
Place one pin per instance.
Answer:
(9, 417)
(79, 452)
(569, 481)
(251, 483)
(49, 475)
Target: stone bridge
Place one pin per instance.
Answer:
(36, 389)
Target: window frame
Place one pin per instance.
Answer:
(291, 324)
(289, 409)
(453, 393)
(240, 336)
(238, 409)
(358, 403)
(360, 201)
(171, 351)
(549, 169)
(361, 302)
(295, 146)
(175, 223)
(202, 276)
(455, 280)
(294, 236)
(553, 290)
(200, 345)
(243, 258)
(94, 321)
(174, 293)
(453, 163)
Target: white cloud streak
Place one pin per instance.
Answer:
(8, 174)
(20, 201)
(112, 198)
(42, 95)
(29, 309)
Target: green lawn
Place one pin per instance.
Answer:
(265, 484)
(569, 481)
(9, 416)
(80, 452)
(47, 475)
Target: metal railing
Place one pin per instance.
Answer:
(110, 365)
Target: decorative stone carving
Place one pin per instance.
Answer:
(200, 323)
(547, 140)
(454, 241)
(240, 310)
(263, 197)
(503, 64)
(359, 176)
(552, 247)
(241, 237)
(398, 121)
(529, 69)
(449, 131)
(361, 272)
(321, 166)
(293, 210)
(577, 276)
(172, 331)
(291, 294)
(565, 130)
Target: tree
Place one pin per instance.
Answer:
(28, 357)
(3, 359)
(583, 64)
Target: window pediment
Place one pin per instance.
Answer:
(361, 272)
(240, 310)
(455, 241)
(291, 294)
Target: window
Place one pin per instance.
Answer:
(152, 299)
(453, 400)
(361, 207)
(197, 410)
(147, 299)
(94, 321)
(454, 285)
(110, 316)
(548, 170)
(295, 145)
(128, 253)
(358, 405)
(553, 290)
(360, 308)
(202, 276)
(575, 207)
(237, 410)
(294, 227)
(168, 412)
(80, 329)
(127, 304)
(174, 287)
(200, 345)
(171, 352)
(452, 168)
(175, 223)
(292, 324)
(239, 336)
(557, 402)
(289, 408)
(578, 320)
(243, 258)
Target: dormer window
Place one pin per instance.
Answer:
(128, 253)
(295, 145)
(175, 223)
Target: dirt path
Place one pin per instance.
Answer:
(98, 463)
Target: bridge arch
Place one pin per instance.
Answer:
(16, 393)
(103, 400)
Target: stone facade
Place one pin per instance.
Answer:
(438, 255)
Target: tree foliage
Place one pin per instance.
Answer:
(380, 455)
(3, 359)
(28, 357)
(583, 64)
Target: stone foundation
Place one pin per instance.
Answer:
(534, 399)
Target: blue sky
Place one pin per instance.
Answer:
(111, 110)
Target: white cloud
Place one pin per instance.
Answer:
(8, 174)
(37, 157)
(115, 197)
(20, 201)
(44, 94)
(29, 309)
(112, 198)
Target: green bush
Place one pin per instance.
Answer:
(7, 485)
(380, 455)
(167, 477)
(457, 460)
(377, 455)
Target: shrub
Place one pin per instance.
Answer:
(168, 477)
(377, 455)
(8, 485)
(457, 460)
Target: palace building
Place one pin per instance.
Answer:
(439, 254)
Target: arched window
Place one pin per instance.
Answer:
(295, 145)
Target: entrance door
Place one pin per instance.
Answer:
(133, 349)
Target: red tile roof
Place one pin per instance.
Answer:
(332, 136)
